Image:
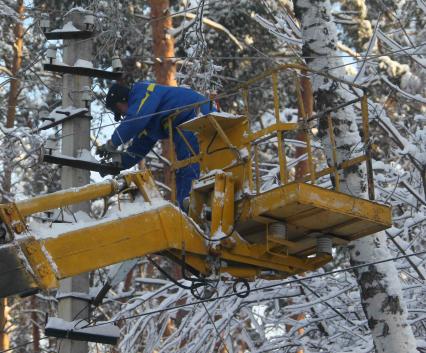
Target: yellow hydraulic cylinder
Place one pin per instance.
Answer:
(65, 198)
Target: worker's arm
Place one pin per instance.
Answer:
(139, 148)
(140, 113)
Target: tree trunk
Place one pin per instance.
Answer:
(164, 51)
(35, 327)
(16, 66)
(10, 122)
(308, 106)
(163, 43)
(4, 337)
(381, 293)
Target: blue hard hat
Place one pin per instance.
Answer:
(116, 94)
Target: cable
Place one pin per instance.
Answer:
(296, 280)
(24, 344)
(283, 56)
(224, 95)
(401, 52)
(215, 328)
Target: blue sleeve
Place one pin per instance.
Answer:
(138, 116)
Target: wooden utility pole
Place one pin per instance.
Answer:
(164, 64)
(73, 304)
(12, 101)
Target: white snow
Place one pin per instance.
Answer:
(127, 209)
(78, 9)
(422, 5)
(85, 155)
(226, 115)
(68, 27)
(416, 97)
(82, 326)
(85, 296)
(57, 117)
(83, 63)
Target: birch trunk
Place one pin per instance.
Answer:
(380, 288)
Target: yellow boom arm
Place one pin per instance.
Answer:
(233, 225)
(36, 257)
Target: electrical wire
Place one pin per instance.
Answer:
(288, 282)
(296, 280)
(24, 344)
(401, 52)
(215, 328)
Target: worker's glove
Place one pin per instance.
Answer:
(106, 150)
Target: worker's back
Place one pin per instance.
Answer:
(167, 100)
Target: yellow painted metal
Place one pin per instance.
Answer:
(281, 146)
(35, 253)
(225, 186)
(228, 206)
(65, 198)
(220, 131)
(280, 127)
(256, 161)
(186, 142)
(163, 228)
(172, 159)
(342, 166)
(222, 205)
(145, 183)
(220, 152)
(310, 209)
(218, 202)
(249, 168)
(312, 173)
(185, 162)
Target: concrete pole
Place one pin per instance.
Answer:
(76, 137)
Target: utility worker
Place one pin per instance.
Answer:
(146, 108)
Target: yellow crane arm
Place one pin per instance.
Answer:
(234, 223)
(37, 257)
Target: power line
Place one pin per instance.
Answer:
(23, 344)
(283, 56)
(400, 52)
(296, 280)
(43, 10)
(225, 95)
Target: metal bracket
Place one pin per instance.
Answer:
(83, 71)
(67, 116)
(56, 35)
(103, 169)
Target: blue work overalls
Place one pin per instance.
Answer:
(150, 105)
